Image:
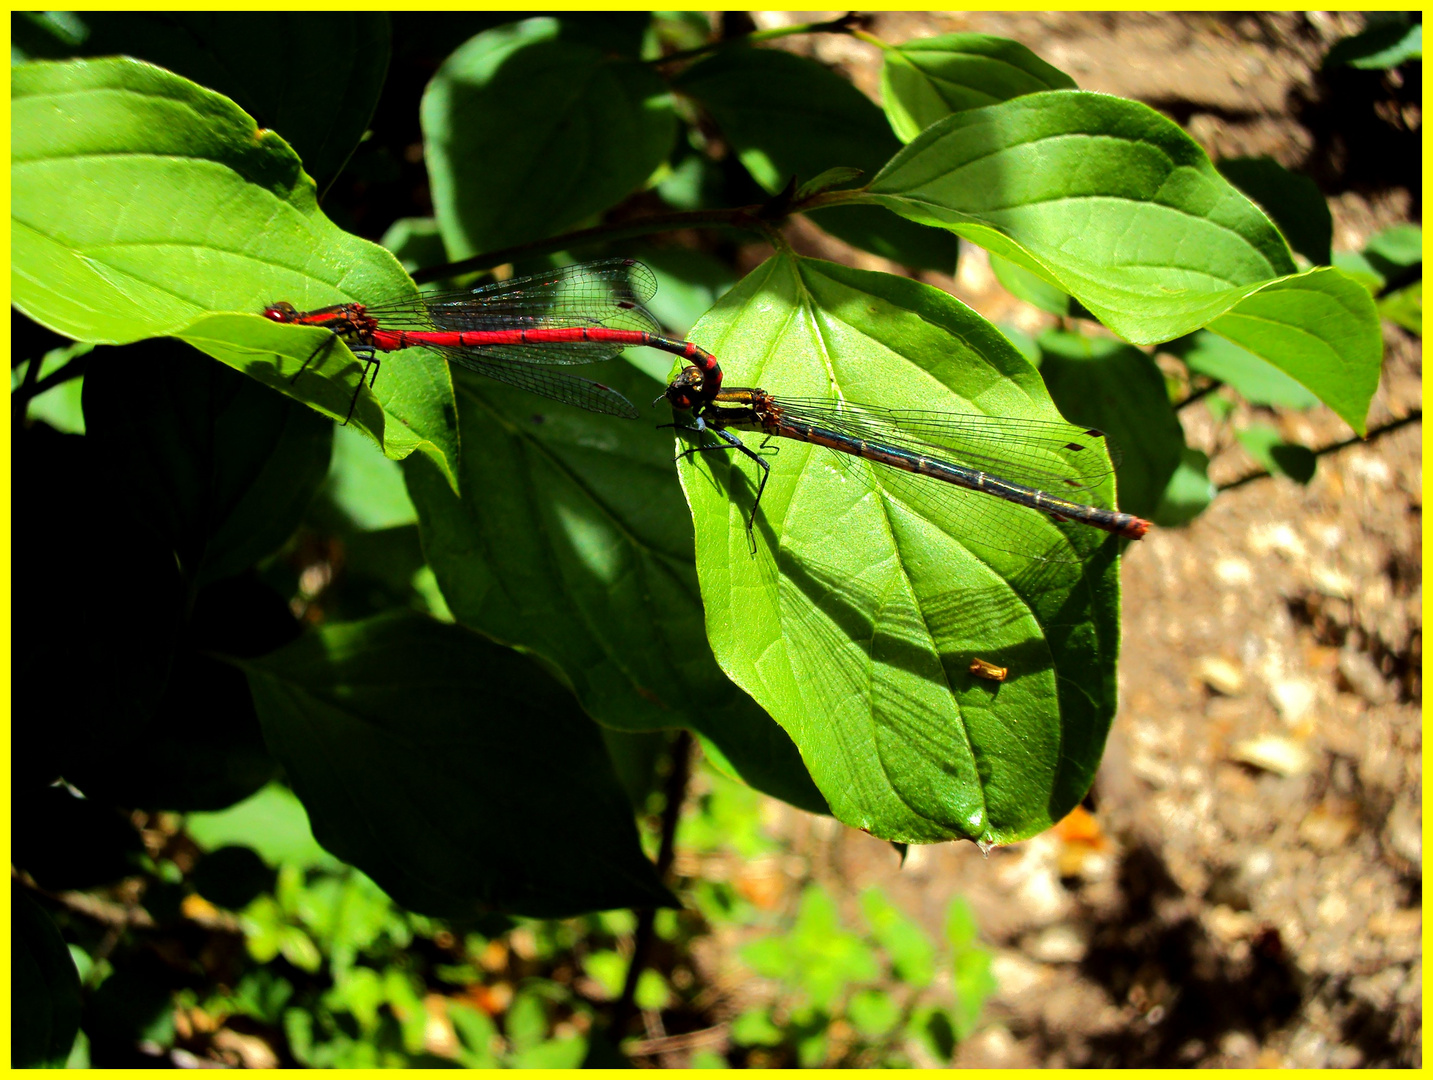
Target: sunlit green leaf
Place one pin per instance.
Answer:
(1100, 194)
(1124, 211)
(927, 79)
(144, 205)
(1321, 327)
(855, 621)
(272, 822)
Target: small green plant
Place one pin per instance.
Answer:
(858, 998)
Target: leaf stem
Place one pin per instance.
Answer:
(675, 791)
(871, 39)
(1195, 395)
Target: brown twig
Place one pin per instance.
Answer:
(687, 1040)
(1383, 429)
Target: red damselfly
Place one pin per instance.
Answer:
(513, 330)
(1014, 460)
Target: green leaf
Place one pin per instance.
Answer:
(811, 1050)
(272, 821)
(1379, 47)
(1188, 493)
(407, 1006)
(817, 958)
(430, 759)
(974, 984)
(1361, 268)
(526, 1019)
(1291, 199)
(367, 486)
(1102, 196)
(873, 1013)
(961, 929)
(359, 992)
(1266, 446)
(932, 1027)
(855, 621)
(1117, 206)
(144, 205)
(60, 405)
(1397, 246)
(652, 991)
(216, 465)
(608, 969)
(970, 968)
(1117, 389)
(477, 1032)
(45, 987)
(1405, 307)
(927, 79)
(785, 116)
(314, 77)
(1256, 380)
(1031, 287)
(528, 132)
(911, 952)
(754, 1028)
(347, 914)
(415, 242)
(1321, 327)
(571, 542)
(564, 1053)
(831, 178)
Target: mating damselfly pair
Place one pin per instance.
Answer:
(517, 331)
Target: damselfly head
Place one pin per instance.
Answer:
(685, 391)
(282, 312)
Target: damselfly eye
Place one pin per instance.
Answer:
(283, 311)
